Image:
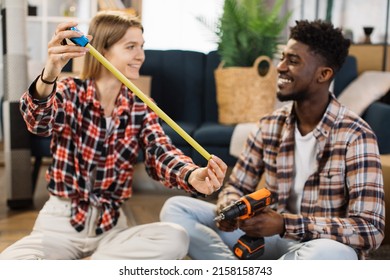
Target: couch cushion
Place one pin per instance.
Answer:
(176, 138)
(378, 117)
(215, 138)
(177, 82)
(364, 90)
(221, 152)
(345, 75)
(210, 98)
(214, 134)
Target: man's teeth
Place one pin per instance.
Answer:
(284, 81)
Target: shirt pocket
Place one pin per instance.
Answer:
(269, 161)
(55, 216)
(333, 195)
(56, 206)
(126, 147)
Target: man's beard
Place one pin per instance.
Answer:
(295, 96)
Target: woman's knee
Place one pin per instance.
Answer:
(178, 241)
(15, 253)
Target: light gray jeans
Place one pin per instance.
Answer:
(53, 237)
(207, 242)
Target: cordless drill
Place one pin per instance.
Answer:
(248, 247)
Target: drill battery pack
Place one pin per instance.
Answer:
(249, 248)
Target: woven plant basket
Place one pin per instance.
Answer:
(243, 95)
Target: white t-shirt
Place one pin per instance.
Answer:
(92, 174)
(108, 124)
(305, 163)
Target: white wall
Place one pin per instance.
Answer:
(347, 14)
(171, 24)
(1, 60)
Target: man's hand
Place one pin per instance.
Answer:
(265, 223)
(225, 225)
(228, 225)
(209, 179)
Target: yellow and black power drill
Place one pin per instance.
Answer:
(248, 247)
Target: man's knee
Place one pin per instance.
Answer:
(326, 249)
(172, 205)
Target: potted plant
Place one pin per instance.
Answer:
(248, 29)
(248, 32)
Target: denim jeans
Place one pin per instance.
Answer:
(207, 242)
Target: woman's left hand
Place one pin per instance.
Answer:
(209, 179)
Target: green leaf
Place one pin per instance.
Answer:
(248, 29)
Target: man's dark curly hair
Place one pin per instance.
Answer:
(323, 39)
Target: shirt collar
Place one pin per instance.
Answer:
(123, 102)
(330, 116)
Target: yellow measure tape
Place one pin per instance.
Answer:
(148, 102)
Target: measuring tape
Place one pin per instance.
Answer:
(84, 42)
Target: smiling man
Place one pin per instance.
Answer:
(319, 159)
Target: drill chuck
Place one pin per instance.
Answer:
(232, 211)
(246, 206)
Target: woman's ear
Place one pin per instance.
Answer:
(326, 74)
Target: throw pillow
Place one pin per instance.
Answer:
(364, 90)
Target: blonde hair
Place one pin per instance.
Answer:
(107, 28)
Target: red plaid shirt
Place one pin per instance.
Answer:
(82, 148)
(343, 200)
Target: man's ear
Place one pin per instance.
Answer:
(326, 74)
